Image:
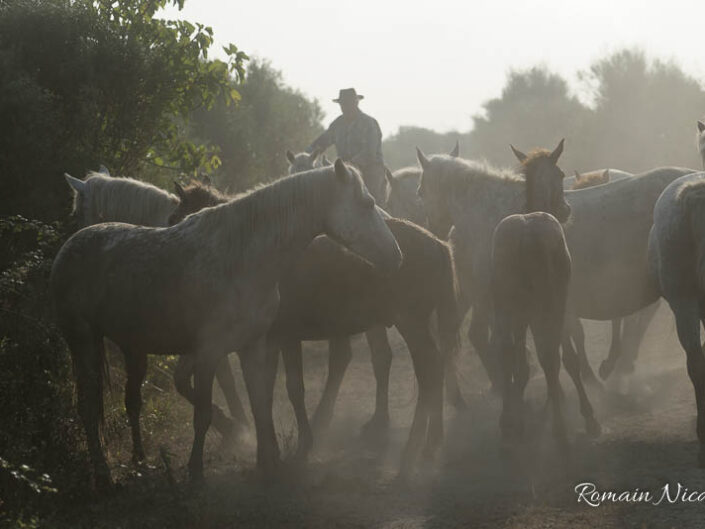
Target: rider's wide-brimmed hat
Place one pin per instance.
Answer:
(347, 93)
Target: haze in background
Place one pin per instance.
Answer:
(434, 64)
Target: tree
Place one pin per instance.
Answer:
(84, 83)
(254, 135)
(645, 112)
(536, 109)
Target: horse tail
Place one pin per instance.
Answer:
(447, 307)
(90, 368)
(449, 321)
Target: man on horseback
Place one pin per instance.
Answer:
(358, 140)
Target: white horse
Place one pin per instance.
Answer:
(677, 263)
(103, 198)
(204, 287)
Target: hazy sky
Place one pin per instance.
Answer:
(434, 63)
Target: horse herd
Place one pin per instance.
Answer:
(312, 257)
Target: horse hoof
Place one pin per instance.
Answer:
(593, 427)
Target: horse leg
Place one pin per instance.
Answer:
(293, 364)
(136, 370)
(572, 366)
(688, 318)
(381, 356)
(503, 348)
(577, 333)
(203, 375)
(428, 416)
(87, 350)
(338, 360)
(607, 365)
(259, 366)
(226, 381)
(182, 380)
(521, 374)
(634, 330)
(548, 339)
(478, 334)
(453, 394)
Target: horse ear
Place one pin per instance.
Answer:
(606, 176)
(422, 159)
(290, 156)
(520, 155)
(701, 126)
(104, 170)
(179, 190)
(390, 178)
(456, 150)
(325, 162)
(77, 185)
(207, 180)
(341, 171)
(578, 176)
(557, 152)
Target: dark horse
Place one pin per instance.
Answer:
(330, 294)
(530, 277)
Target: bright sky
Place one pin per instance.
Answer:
(434, 63)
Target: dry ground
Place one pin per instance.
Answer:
(648, 440)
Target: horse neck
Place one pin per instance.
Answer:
(268, 228)
(486, 202)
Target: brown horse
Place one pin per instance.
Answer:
(593, 178)
(331, 294)
(529, 284)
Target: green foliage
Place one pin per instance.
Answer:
(84, 83)
(38, 427)
(254, 135)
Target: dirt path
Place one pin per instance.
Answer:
(648, 441)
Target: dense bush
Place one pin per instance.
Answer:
(39, 432)
(84, 83)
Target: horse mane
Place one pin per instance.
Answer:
(533, 159)
(278, 208)
(206, 193)
(458, 177)
(123, 199)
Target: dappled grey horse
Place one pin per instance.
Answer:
(677, 264)
(204, 287)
